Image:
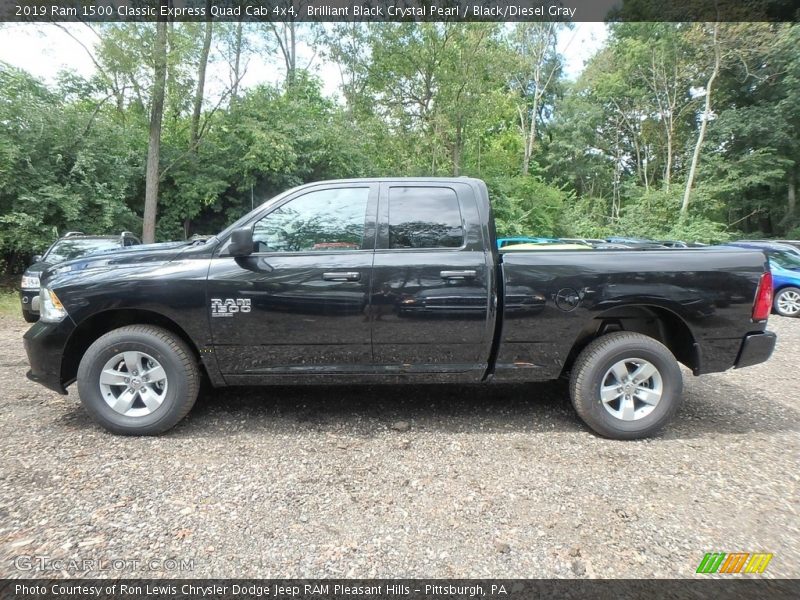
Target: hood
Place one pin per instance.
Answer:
(38, 267)
(122, 257)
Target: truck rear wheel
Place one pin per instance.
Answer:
(138, 380)
(626, 385)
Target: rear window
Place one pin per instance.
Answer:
(785, 259)
(424, 217)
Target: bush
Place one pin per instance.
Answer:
(527, 206)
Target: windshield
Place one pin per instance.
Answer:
(68, 249)
(784, 259)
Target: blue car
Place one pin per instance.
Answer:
(784, 263)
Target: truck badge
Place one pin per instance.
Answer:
(227, 307)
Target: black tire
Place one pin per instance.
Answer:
(179, 366)
(785, 294)
(30, 317)
(593, 365)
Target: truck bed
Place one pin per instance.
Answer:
(706, 293)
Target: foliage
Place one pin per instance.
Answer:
(607, 154)
(527, 206)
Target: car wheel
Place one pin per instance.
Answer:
(138, 380)
(787, 302)
(626, 385)
(30, 317)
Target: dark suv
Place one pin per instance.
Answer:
(73, 245)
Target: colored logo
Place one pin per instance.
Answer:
(734, 562)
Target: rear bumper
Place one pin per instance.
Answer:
(44, 344)
(756, 348)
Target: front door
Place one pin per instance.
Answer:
(298, 303)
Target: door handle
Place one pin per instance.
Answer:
(458, 274)
(346, 276)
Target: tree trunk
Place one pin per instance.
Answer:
(456, 150)
(197, 109)
(704, 123)
(287, 42)
(292, 66)
(668, 169)
(791, 200)
(154, 145)
(200, 90)
(237, 59)
(531, 137)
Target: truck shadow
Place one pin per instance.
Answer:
(369, 411)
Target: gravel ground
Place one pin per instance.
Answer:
(401, 482)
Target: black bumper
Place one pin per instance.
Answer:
(29, 299)
(756, 348)
(44, 344)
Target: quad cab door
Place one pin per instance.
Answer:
(297, 305)
(431, 302)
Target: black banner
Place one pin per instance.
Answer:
(398, 589)
(399, 10)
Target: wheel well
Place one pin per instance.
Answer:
(653, 321)
(98, 324)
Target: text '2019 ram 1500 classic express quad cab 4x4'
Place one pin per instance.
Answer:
(388, 281)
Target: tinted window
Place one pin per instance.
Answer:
(321, 220)
(68, 249)
(424, 218)
(784, 258)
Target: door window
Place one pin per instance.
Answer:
(331, 219)
(424, 217)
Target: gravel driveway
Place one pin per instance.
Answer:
(401, 482)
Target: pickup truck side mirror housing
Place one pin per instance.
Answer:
(241, 241)
(36, 258)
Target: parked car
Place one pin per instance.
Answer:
(587, 241)
(548, 247)
(681, 244)
(784, 261)
(512, 241)
(73, 245)
(630, 242)
(425, 297)
(793, 243)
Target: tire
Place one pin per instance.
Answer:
(152, 401)
(604, 364)
(30, 317)
(787, 302)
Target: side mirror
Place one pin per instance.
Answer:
(36, 258)
(241, 242)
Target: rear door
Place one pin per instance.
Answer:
(432, 280)
(298, 303)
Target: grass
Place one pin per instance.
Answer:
(9, 303)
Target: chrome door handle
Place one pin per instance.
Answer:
(458, 274)
(347, 276)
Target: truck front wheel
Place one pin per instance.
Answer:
(138, 380)
(626, 385)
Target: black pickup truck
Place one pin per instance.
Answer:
(390, 281)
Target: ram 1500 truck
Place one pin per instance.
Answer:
(388, 281)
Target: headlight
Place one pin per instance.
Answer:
(50, 308)
(30, 282)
